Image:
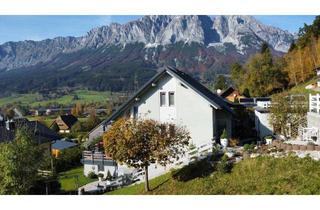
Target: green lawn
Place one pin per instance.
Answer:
(263, 175)
(68, 179)
(139, 188)
(35, 99)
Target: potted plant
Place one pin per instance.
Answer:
(224, 139)
(100, 176)
(268, 139)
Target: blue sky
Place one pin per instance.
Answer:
(17, 28)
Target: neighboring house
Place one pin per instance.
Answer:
(252, 102)
(231, 94)
(65, 122)
(262, 117)
(40, 112)
(54, 111)
(59, 145)
(42, 135)
(173, 96)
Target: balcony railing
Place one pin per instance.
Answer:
(314, 103)
(91, 157)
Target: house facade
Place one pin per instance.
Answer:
(65, 122)
(173, 96)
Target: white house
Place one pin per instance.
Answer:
(174, 96)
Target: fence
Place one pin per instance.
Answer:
(314, 103)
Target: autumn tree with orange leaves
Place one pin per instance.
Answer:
(138, 143)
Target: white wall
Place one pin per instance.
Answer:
(262, 124)
(313, 120)
(190, 110)
(87, 168)
(194, 112)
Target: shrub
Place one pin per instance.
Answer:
(248, 147)
(216, 152)
(224, 134)
(94, 142)
(101, 175)
(68, 159)
(224, 166)
(92, 175)
(77, 127)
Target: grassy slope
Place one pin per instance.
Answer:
(263, 175)
(36, 100)
(300, 88)
(68, 182)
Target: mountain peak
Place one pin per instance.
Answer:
(245, 33)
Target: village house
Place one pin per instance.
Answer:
(65, 122)
(175, 97)
(60, 145)
(41, 134)
(231, 94)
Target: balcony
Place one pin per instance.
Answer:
(94, 158)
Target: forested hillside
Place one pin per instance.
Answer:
(303, 55)
(264, 74)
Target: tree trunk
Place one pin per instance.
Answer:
(146, 180)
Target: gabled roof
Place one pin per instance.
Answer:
(62, 144)
(41, 133)
(227, 92)
(68, 119)
(212, 98)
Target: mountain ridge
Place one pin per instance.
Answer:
(151, 31)
(112, 57)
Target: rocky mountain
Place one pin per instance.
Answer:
(192, 43)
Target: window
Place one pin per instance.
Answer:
(162, 98)
(171, 98)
